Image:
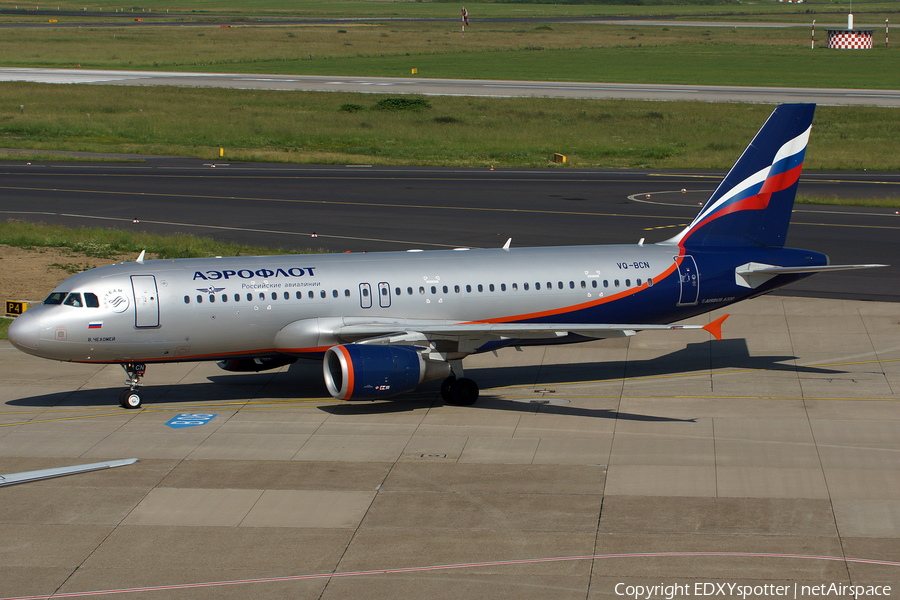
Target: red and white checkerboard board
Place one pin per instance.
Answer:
(848, 39)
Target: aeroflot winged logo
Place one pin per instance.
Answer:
(280, 272)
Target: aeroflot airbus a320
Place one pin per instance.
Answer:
(386, 322)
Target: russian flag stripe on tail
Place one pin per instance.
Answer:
(753, 203)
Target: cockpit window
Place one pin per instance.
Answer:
(91, 301)
(55, 298)
(74, 299)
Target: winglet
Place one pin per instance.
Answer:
(507, 244)
(715, 328)
(140, 259)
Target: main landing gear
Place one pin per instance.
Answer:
(459, 392)
(131, 398)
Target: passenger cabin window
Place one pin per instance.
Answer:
(593, 283)
(480, 288)
(409, 291)
(249, 297)
(469, 289)
(287, 295)
(456, 288)
(502, 287)
(199, 299)
(491, 287)
(187, 299)
(73, 299)
(212, 298)
(311, 295)
(274, 295)
(237, 297)
(224, 297)
(525, 286)
(322, 293)
(56, 298)
(299, 295)
(262, 296)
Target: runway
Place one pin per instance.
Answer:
(460, 87)
(359, 208)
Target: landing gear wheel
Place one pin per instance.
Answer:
(464, 392)
(130, 399)
(446, 389)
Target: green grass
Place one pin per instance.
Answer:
(446, 8)
(479, 10)
(302, 127)
(4, 326)
(837, 201)
(559, 52)
(700, 64)
(113, 243)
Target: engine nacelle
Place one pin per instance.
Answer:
(364, 372)
(247, 365)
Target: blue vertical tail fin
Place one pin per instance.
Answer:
(753, 203)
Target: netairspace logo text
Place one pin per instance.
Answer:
(734, 590)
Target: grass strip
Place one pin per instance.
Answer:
(778, 57)
(344, 128)
(97, 242)
(838, 201)
(477, 10)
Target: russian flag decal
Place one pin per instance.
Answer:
(95, 325)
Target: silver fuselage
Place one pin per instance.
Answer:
(209, 309)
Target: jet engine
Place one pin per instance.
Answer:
(364, 372)
(246, 365)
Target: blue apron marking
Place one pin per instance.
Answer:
(190, 420)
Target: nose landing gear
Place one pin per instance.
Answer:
(131, 398)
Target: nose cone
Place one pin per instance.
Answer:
(24, 333)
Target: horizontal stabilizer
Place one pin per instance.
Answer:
(752, 275)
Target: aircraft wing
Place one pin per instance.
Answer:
(474, 335)
(27, 476)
